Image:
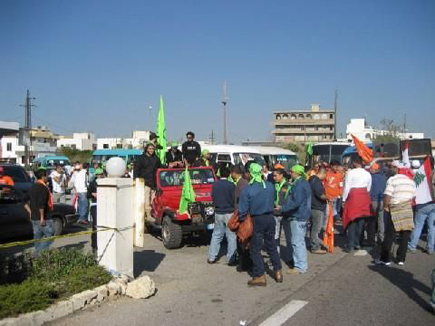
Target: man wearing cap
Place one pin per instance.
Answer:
(379, 182)
(92, 195)
(296, 212)
(206, 160)
(191, 149)
(155, 141)
(398, 215)
(356, 201)
(174, 157)
(145, 168)
(424, 212)
(258, 200)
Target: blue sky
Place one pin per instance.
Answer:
(98, 65)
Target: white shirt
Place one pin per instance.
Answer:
(80, 181)
(400, 188)
(356, 178)
(57, 186)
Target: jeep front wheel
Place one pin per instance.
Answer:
(171, 233)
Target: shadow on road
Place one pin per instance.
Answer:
(406, 282)
(146, 261)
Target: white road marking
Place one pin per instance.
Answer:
(361, 253)
(284, 314)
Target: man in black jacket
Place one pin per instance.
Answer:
(318, 208)
(174, 157)
(191, 149)
(145, 168)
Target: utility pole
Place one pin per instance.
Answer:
(335, 113)
(212, 137)
(225, 102)
(27, 127)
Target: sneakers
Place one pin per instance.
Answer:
(401, 263)
(380, 262)
(411, 251)
(294, 271)
(319, 252)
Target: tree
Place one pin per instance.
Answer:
(76, 154)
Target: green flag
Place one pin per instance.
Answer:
(309, 148)
(188, 194)
(161, 133)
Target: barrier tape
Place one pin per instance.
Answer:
(70, 235)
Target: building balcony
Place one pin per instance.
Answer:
(303, 122)
(302, 132)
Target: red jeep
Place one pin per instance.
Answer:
(200, 215)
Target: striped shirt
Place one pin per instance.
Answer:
(400, 188)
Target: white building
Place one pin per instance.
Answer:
(8, 141)
(138, 140)
(81, 141)
(366, 133)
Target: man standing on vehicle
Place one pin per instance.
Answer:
(223, 195)
(145, 168)
(80, 180)
(58, 179)
(174, 157)
(258, 200)
(191, 149)
(41, 202)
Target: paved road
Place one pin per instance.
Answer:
(339, 289)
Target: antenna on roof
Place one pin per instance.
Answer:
(224, 103)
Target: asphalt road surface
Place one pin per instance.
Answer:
(339, 289)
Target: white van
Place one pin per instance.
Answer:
(234, 154)
(277, 155)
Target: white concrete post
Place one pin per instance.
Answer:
(139, 212)
(115, 198)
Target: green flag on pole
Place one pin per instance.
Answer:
(161, 133)
(188, 194)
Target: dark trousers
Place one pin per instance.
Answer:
(354, 231)
(94, 227)
(370, 227)
(264, 233)
(389, 237)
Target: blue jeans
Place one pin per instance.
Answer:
(295, 237)
(41, 232)
(83, 206)
(422, 215)
(264, 235)
(220, 230)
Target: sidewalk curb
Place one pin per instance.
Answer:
(113, 290)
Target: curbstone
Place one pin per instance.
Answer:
(58, 310)
(123, 286)
(82, 299)
(114, 288)
(102, 293)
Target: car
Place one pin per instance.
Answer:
(14, 219)
(200, 216)
(21, 178)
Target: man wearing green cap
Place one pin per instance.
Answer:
(92, 195)
(206, 160)
(258, 200)
(296, 212)
(174, 157)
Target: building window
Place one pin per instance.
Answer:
(9, 147)
(331, 116)
(73, 146)
(119, 146)
(330, 128)
(300, 116)
(278, 117)
(309, 116)
(105, 146)
(293, 117)
(285, 116)
(324, 116)
(316, 117)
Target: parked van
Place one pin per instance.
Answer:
(277, 155)
(234, 154)
(50, 161)
(103, 155)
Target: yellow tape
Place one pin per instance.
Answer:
(70, 235)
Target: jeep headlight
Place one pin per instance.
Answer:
(209, 210)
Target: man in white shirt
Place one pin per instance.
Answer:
(356, 201)
(398, 196)
(58, 179)
(79, 180)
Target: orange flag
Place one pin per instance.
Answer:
(363, 151)
(328, 236)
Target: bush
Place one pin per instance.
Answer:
(54, 275)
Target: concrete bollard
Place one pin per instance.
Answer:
(139, 213)
(115, 210)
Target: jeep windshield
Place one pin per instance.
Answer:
(171, 178)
